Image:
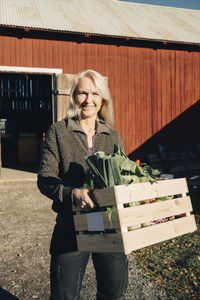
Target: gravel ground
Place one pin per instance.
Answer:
(26, 223)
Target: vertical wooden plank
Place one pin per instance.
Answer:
(59, 54)
(168, 88)
(106, 61)
(114, 86)
(49, 54)
(173, 84)
(145, 96)
(65, 56)
(132, 96)
(90, 57)
(12, 51)
(28, 52)
(6, 51)
(36, 53)
(125, 97)
(154, 91)
(23, 53)
(123, 107)
(163, 87)
(64, 84)
(54, 54)
(70, 58)
(159, 89)
(149, 80)
(1, 49)
(18, 51)
(42, 51)
(79, 61)
(182, 89)
(141, 101)
(100, 59)
(178, 83)
(62, 54)
(139, 82)
(134, 91)
(187, 79)
(192, 92)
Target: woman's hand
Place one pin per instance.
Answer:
(81, 199)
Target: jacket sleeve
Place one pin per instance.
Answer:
(49, 182)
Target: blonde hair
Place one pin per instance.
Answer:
(106, 111)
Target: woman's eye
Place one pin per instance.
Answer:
(82, 93)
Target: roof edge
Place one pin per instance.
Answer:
(29, 30)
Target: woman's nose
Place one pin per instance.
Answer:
(89, 97)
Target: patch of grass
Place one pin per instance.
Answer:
(174, 264)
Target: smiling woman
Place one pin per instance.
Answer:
(62, 177)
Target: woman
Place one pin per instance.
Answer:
(84, 131)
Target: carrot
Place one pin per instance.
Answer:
(138, 163)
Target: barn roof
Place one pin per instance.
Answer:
(104, 17)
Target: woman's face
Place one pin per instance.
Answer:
(88, 98)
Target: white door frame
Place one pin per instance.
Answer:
(29, 70)
(12, 69)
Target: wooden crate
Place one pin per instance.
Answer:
(94, 229)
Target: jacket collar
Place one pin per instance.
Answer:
(74, 125)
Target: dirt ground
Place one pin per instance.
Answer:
(26, 224)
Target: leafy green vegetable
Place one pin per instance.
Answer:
(110, 211)
(106, 170)
(166, 198)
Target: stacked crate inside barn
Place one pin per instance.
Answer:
(178, 162)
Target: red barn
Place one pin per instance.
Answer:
(150, 55)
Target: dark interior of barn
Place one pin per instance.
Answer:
(25, 114)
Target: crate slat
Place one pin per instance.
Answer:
(158, 233)
(105, 197)
(108, 243)
(81, 224)
(146, 190)
(154, 211)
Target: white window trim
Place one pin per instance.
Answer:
(11, 69)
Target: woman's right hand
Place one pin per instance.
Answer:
(81, 199)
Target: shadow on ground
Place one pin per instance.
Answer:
(5, 295)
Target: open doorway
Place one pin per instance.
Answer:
(25, 115)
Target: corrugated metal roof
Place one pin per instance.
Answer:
(104, 17)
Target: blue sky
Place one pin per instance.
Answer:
(191, 4)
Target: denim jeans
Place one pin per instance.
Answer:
(67, 272)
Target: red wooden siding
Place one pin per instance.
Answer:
(150, 87)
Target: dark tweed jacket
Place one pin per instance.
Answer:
(63, 167)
